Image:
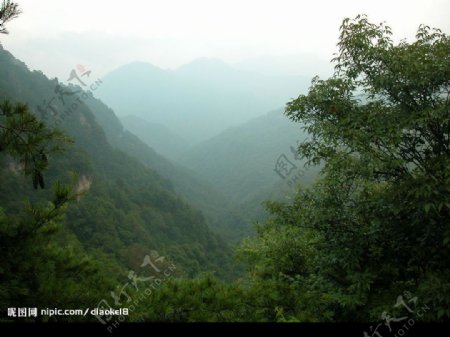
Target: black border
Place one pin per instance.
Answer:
(216, 329)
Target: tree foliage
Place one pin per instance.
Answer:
(379, 216)
(27, 139)
(8, 11)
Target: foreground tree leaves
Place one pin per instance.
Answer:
(41, 264)
(8, 11)
(379, 215)
(28, 140)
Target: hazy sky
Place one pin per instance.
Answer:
(55, 35)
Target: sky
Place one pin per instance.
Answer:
(55, 35)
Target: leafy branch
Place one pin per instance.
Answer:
(8, 11)
(24, 137)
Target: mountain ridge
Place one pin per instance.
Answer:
(130, 207)
(198, 100)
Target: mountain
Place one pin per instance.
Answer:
(235, 169)
(215, 206)
(130, 208)
(240, 161)
(198, 100)
(157, 136)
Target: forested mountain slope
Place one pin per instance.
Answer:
(242, 161)
(130, 209)
(215, 206)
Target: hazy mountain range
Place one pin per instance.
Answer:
(239, 162)
(130, 208)
(225, 172)
(198, 100)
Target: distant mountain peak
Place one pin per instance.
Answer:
(199, 99)
(139, 67)
(205, 63)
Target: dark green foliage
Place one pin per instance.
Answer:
(40, 264)
(25, 138)
(204, 299)
(377, 223)
(128, 204)
(8, 11)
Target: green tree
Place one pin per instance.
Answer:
(24, 137)
(379, 215)
(8, 11)
(41, 264)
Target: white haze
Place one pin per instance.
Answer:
(273, 36)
